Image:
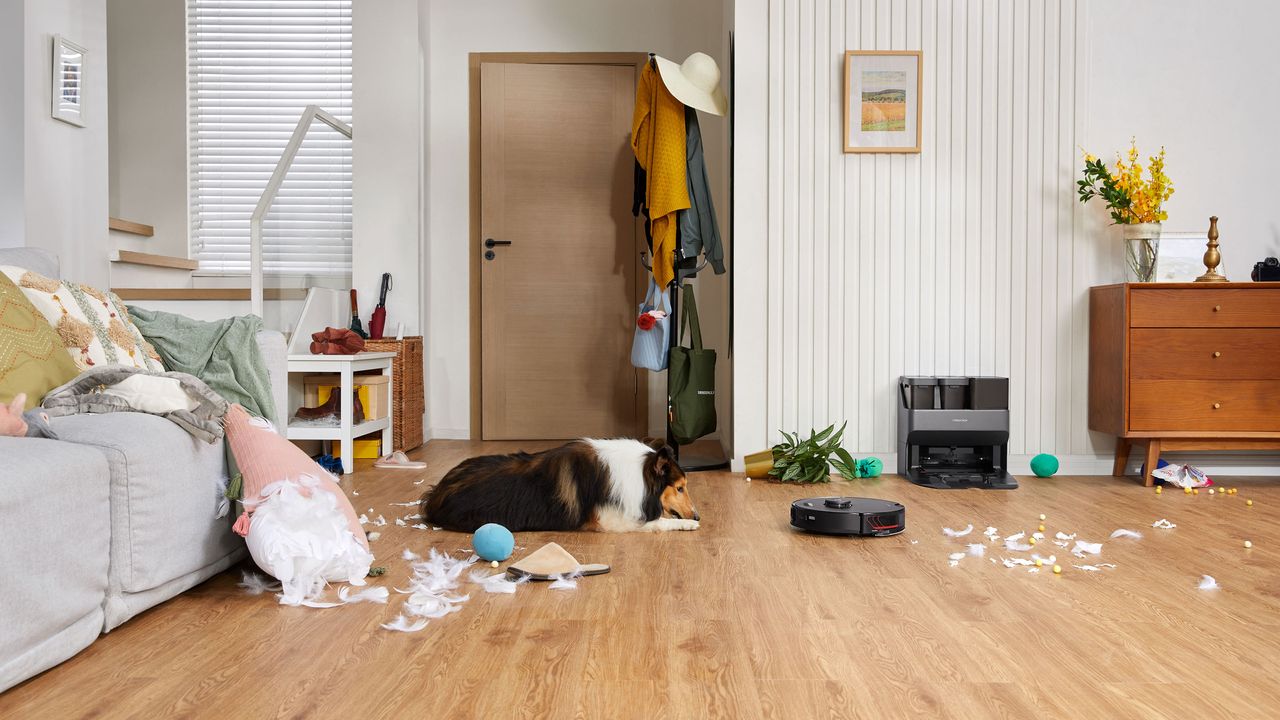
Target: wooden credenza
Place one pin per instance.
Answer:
(1185, 366)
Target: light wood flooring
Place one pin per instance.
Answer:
(746, 618)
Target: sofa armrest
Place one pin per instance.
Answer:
(275, 354)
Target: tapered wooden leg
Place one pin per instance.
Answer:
(1122, 457)
(1153, 457)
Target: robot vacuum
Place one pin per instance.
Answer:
(848, 516)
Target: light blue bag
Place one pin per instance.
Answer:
(649, 347)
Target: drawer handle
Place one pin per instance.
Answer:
(1216, 308)
(1217, 405)
(1217, 354)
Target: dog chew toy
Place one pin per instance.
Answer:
(1044, 465)
(869, 467)
(492, 541)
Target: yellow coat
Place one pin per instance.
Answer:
(657, 137)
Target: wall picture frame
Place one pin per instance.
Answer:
(882, 101)
(67, 86)
(1180, 257)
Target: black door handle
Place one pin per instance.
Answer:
(491, 242)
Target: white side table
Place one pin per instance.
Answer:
(346, 431)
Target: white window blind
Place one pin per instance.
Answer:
(253, 66)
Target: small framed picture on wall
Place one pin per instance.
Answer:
(882, 101)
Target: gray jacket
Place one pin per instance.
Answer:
(699, 232)
(83, 395)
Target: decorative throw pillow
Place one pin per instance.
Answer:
(93, 326)
(299, 525)
(32, 359)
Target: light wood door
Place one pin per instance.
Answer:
(558, 303)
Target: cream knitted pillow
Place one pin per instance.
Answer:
(94, 326)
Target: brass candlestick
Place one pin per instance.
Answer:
(1212, 258)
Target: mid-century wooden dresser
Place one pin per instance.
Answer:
(1185, 366)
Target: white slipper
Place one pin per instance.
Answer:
(398, 459)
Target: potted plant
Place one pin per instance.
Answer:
(804, 461)
(1136, 203)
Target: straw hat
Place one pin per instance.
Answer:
(695, 82)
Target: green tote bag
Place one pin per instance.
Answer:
(693, 379)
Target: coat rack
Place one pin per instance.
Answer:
(688, 462)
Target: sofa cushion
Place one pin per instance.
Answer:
(94, 326)
(32, 359)
(165, 490)
(55, 531)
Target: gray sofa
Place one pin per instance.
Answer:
(114, 517)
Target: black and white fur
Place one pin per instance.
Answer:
(603, 485)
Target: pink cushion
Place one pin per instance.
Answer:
(266, 458)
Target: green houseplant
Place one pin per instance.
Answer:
(811, 460)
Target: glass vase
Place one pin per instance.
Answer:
(1141, 250)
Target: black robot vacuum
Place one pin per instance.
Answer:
(848, 516)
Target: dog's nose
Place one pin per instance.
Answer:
(696, 516)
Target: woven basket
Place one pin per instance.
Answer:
(407, 402)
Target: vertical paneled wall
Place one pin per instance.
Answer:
(970, 258)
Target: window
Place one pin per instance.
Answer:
(253, 66)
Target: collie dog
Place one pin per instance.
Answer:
(601, 485)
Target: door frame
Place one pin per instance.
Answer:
(474, 247)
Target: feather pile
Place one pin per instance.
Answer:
(957, 533)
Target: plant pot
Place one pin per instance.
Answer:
(1141, 248)
(759, 464)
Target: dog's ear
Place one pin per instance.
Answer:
(664, 461)
(655, 443)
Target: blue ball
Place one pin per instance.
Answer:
(493, 542)
(1044, 465)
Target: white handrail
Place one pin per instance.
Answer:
(312, 112)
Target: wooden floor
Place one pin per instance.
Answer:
(746, 619)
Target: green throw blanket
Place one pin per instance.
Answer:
(224, 354)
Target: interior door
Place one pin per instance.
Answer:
(559, 267)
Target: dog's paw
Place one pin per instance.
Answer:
(686, 525)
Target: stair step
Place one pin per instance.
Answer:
(128, 226)
(163, 261)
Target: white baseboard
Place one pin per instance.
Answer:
(437, 433)
(1238, 464)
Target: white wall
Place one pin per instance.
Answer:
(148, 130)
(12, 212)
(65, 167)
(972, 257)
(386, 153)
(671, 28)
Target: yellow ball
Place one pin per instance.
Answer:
(1159, 489)
(1186, 490)
(1042, 517)
(1248, 502)
(1195, 491)
(1031, 541)
(1248, 543)
(1057, 569)
(1041, 527)
(1039, 562)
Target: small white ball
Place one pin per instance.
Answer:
(1042, 517)
(493, 564)
(1248, 543)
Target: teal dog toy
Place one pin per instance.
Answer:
(869, 468)
(493, 542)
(1044, 465)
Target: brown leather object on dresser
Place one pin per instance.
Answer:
(1185, 366)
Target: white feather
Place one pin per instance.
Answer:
(496, 582)
(956, 556)
(1163, 524)
(624, 460)
(402, 624)
(373, 536)
(1208, 583)
(1087, 547)
(977, 549)
(255, 584)
(410, 555)
(957, 533)
(373, 595)
(1063, 536)
(1127, 533)
(1044, 560)
(565, 581)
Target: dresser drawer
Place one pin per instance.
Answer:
(1209, 307)
(1205, 405)
(1204, 353)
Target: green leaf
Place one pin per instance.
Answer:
(845, 471)
(822, 436)
(792, 473)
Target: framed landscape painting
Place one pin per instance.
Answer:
(882, 101)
